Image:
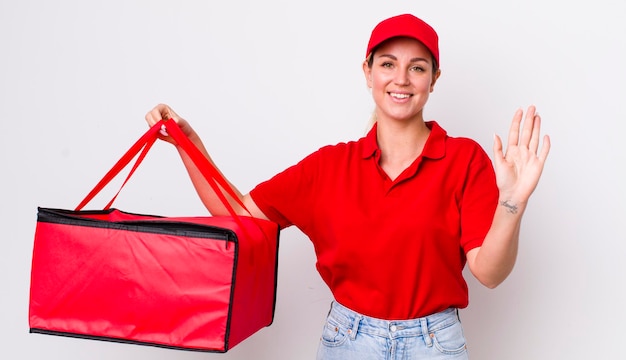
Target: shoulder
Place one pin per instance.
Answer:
(442, 145)
(348, 149)
(464, 143)
(463, 150)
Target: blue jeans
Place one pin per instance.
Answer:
(349, 335)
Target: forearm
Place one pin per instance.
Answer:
(517, 173)
(206, 193)
(495, 259)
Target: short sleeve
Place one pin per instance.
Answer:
(479, 200)
(288, 197)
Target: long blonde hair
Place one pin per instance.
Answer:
(371, 122)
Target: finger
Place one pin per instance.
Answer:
(527, 130)
(514, 130)
(149, 118)
(498, 155)
(534, 139)
(545, 148)
(162, 112)
(168, 113)
(154, 115)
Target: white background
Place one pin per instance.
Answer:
(267, 82)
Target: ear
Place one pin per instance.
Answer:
(367, 72)
(435, 78)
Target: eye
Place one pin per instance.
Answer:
(418, 69)
(386, 64)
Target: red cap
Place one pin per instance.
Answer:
(404, 25)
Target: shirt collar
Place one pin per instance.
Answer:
(435, 147)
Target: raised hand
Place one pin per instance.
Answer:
(519, 168)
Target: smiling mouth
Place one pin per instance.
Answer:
(399, 96)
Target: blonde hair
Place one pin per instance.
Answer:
(371, 122)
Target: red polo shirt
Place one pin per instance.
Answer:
(389, 249)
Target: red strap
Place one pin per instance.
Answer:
(210, 173)
(208, 170)
(145, 142)
(143, 154)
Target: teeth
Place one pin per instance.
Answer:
(399, 96)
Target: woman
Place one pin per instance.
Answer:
(395, 216)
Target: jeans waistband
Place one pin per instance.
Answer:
(358, 323)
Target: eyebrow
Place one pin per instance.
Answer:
(417, 59)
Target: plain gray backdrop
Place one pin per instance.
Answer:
(267, 82)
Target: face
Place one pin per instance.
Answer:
(401, 78)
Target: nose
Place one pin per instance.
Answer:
(401, 77)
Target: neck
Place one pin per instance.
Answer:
(400, 145)
(402, 140)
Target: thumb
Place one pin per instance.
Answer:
(169, 113)
(498, 155)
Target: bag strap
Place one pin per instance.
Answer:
(143, 145)
(144, 142)
(208, 170)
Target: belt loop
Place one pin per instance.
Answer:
(425, 334)
(355, 327)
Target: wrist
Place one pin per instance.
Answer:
(511, 205)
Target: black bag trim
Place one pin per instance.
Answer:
(179, 228)
(120, 340)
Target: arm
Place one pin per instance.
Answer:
(517, 174)
(205, 192)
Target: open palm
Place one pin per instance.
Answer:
(519, 168)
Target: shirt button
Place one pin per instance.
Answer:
(393, 328)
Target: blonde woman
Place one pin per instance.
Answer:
(395, 216)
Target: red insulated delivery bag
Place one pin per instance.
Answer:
(192, 283)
